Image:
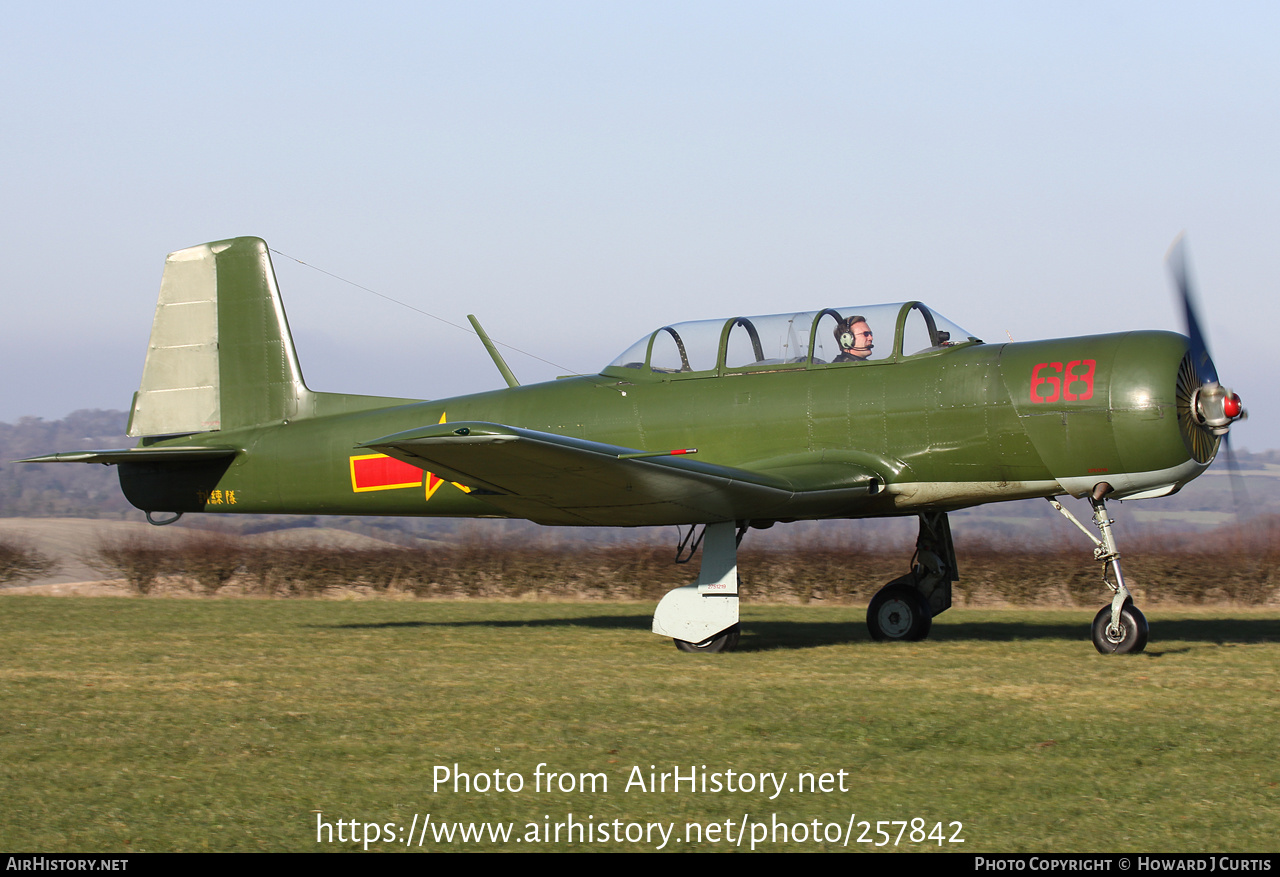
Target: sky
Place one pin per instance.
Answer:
(579, 174)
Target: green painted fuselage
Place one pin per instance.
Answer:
(945, 429)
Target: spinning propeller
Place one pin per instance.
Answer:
(1206, 409)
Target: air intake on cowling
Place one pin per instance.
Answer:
(1200, 440)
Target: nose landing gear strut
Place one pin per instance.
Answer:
(1120, 628)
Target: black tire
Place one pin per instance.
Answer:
(724, 641)
(1133, 631)
(899, 613)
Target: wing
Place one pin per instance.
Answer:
(554, 479)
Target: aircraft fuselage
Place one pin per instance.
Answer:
(957, 427)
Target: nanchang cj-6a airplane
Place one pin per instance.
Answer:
(729, 424)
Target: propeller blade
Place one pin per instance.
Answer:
(1177, 261)
(1239, 492)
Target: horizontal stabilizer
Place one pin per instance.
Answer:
(136, 455)
(554, 479)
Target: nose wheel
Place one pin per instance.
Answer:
(1128, 636)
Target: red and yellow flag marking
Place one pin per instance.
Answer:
(380, 472)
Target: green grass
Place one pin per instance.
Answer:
(143, 725)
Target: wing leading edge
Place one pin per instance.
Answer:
(555, 479)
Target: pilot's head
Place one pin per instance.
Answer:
(854, 337)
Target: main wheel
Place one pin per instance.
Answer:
(899, 613)
(724, 641)
(1130, 639)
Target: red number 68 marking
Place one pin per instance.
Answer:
(1049, 381)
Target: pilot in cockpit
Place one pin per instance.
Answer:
(854, 337)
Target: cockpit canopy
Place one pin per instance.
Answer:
(789, 341)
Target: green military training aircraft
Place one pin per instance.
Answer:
(795, 416)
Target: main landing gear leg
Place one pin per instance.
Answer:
(703, 617)
(1120, 628)
(903, 610)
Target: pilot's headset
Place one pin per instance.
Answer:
(844, 333)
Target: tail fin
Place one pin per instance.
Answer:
(221, 356)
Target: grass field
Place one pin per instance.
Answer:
(157, 725)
